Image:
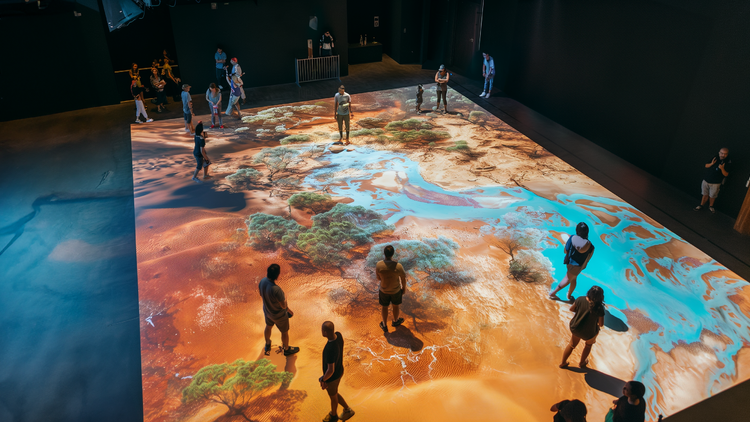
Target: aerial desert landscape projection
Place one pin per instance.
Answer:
(478, 214)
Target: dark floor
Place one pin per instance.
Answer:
(69, 324)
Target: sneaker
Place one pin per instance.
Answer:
(221, 127)
(212, 126)
(197, 180)
(330, 418)
(397, 322)
(138, 121)
(149, 120)
(482, 94)
(698, 208)
(712, 209)
(290, 351)
(487, 95)
(383, 327)
(346, 414)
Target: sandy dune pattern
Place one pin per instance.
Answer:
(479, 215)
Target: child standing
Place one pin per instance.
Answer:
(420, 90)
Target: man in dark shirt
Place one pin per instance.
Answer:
(333, 370)
(275, 310)
(716, 171)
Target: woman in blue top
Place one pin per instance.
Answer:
(199, 152)
(578, 252)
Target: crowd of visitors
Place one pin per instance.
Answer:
(585, 325)
(588, 311)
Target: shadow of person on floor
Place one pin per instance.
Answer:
(403, 337)
(614, 323)
(600, 381)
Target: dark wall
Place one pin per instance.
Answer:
(361, 21)
(496, 39)
(265, 37)
(662, 84)
(69, 56)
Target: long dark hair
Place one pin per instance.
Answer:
(199, 129)
(582, 230)
(596, 296)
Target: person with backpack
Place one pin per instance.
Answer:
(578, 252)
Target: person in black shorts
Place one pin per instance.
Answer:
(275, 310)
(199, 152)
(392, 279)
(333, 370)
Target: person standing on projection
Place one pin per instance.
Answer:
(342, 106)
(441, 78)
(392, 279)
(585, 324)
(275, 310)
(578, 252)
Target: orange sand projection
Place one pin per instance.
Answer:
(482, 349)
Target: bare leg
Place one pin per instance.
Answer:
(585, 355)
(285, 339)
(385, 315)
(711, 202)
(267, 331)
(568, 350)
(572, 286)
(395, 312)
(704, 199)
(342, 402)
(560, 286)
(195, 176)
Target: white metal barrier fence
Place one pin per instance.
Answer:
(317, 69)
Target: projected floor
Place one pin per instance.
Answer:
(481, 340)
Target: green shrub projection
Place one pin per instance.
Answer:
(312, 201)
(234, 384)
(267, 231)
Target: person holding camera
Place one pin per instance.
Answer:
(326, 45)
(716, 171)
(392, 279)
(275, 310)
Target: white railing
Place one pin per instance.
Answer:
(317, 69)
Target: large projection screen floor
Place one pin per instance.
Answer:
(478, 214)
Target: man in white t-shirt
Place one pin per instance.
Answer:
(342, 111)
(237, 71)
(488, 73)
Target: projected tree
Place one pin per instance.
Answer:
(244, 179)
(333, 235)
(234, 384)
(338, 231)
(522, 241)
(267, 231)
(315, 202)
(277, 160)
